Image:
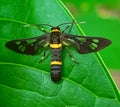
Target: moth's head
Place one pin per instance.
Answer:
(55, 29)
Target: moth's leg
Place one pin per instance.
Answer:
(67, 27)
(71, 56)
(43, 56)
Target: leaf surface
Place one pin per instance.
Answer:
(26, 83)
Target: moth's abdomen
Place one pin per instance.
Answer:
(55, 72)
(56, 62)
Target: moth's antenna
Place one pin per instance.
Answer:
(38, 25)
(69, 24)
(73, 22)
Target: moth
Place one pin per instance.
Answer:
(56, 40)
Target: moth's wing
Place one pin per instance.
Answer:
(85, 44)
(29, 46)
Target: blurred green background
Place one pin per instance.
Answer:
(102, 19)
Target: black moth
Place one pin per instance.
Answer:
(56, 40)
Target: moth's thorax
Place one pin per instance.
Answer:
(55, 36)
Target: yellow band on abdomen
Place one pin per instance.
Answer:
(56, 45)
(56, 63)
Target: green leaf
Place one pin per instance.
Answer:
(26, 83)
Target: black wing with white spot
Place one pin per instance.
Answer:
(29, 46)
(86, 44)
